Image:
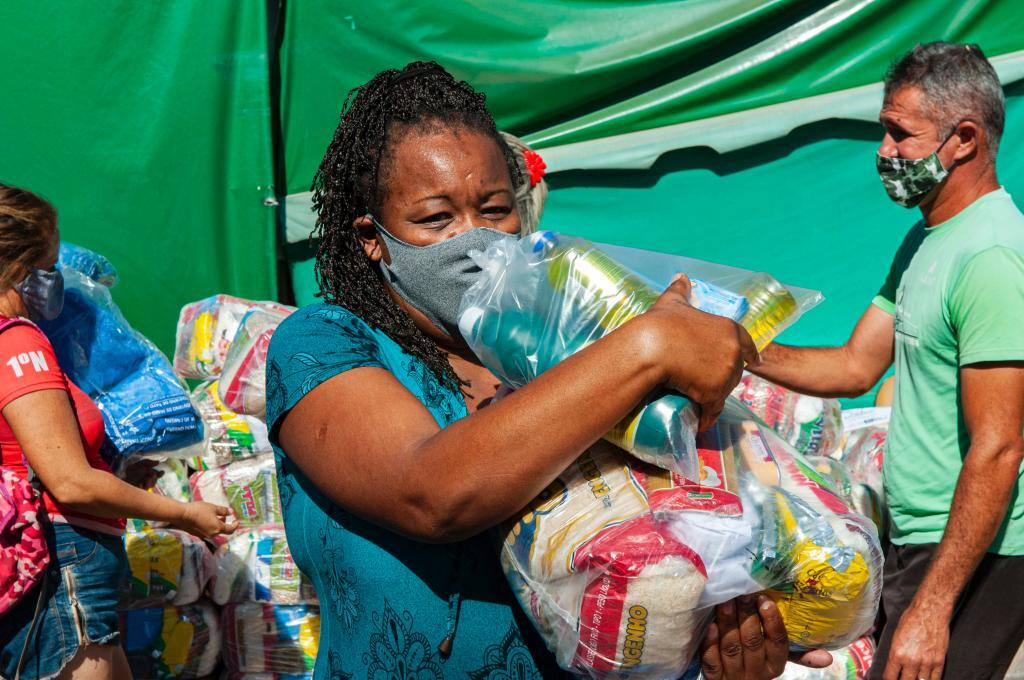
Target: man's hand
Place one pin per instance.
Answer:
(748, 641)
(919, 645)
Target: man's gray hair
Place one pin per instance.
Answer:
(957, 82)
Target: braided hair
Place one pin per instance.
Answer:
(352, 181)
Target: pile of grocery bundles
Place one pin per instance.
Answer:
(145, 406)
(619, 562)
(269, 618)
(170, 631)
(542, 298)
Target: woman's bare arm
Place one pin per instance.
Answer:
(374, 449)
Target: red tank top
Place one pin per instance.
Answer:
(28, 364)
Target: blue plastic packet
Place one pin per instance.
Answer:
(92, 264)
(145, 406)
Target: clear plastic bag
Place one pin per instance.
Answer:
(257, 566)
(91, 264)
(857, 495)
(166, 565)
(264, 638)
(849, 663)
(243, 380)
(864, 454)
(814, 426)
(248, 487)
(173, 480)
(228, 437)
(542, 298)
(205, 331)
(172, 642)
(145, 406)
(619, 563)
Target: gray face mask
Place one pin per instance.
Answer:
(43, 294)
(433, 278)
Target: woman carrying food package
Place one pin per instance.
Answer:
(391, 469)
(64, 621)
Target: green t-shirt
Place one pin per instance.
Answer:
(957, 293)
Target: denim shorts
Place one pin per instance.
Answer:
(84, 581)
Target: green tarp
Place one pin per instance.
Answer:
(148, 126)
(565, 71)
(809, 208)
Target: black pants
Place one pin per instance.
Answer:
(988, 623)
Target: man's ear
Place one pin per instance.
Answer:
(971, 138)
(368, 237)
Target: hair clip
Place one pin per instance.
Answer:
(535, 165)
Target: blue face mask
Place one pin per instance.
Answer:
(43, 294)
(434, 278)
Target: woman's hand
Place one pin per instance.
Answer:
(748, 641)
(206, 520)
(703, 355)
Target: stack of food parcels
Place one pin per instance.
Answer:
(268, 614)
(620, 561)
(191, 606)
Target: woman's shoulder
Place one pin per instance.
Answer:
(321, 321)
(19, 335)
(323, 335)
(312, 345)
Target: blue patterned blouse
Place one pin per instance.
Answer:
(387, 601)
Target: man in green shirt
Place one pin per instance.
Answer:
(951, 316)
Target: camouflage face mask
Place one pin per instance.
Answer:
(908, 180)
